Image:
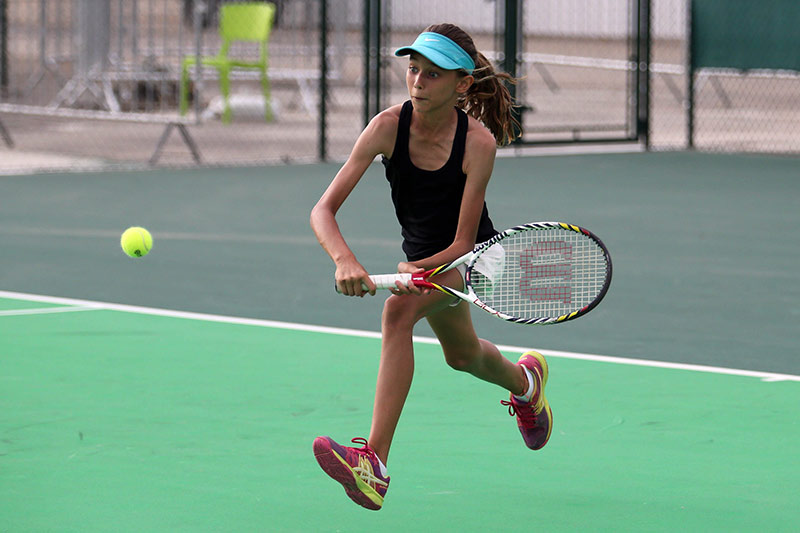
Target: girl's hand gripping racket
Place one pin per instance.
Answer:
(537, 273)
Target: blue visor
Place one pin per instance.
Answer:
(441, 51)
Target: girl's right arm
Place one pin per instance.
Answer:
(377, 138)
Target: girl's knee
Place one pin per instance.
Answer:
(461, 360)
(398, 313)
(469, 356)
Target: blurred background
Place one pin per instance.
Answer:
(98, 83)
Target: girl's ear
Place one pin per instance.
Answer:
(464, 83)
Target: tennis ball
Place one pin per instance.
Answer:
(136, 241)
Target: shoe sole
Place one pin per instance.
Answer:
(545, 404)
(337, 468)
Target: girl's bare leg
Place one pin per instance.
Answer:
(396, 368)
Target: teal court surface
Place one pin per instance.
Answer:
(182, 391)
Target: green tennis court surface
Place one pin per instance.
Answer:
(115, 418)
(128, 421)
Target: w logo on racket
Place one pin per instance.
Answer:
(546, 272)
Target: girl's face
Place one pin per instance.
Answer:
(432, 87)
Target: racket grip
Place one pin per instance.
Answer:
(386, 281)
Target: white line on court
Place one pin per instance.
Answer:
(88, 304)
(47, 310)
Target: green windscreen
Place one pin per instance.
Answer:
(746, 34)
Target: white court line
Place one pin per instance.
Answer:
(764, 376)
(47, 310)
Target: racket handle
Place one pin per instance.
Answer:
(386, 281)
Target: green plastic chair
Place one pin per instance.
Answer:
(248, 22)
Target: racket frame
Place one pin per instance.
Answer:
(422, 279)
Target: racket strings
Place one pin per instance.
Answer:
(542, 273)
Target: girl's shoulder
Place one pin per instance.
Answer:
(380, 135)
(479, 137)
(479, 150)
(388, 118)
(383, 126)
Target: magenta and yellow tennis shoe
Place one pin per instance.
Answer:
(534, 418)
(357, 469)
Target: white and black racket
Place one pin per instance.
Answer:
(537, 273)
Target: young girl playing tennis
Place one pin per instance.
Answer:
(438, 149)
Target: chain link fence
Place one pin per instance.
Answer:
(726, 76)
(668, 75)
(98, 83)
(577, 69)
(745, 93)
(572, 60)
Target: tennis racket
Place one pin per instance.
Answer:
(538, 273)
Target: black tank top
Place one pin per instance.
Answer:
(428, 202)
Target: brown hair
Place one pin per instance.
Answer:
(488, 99)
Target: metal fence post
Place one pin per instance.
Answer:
(689, 78)
(323, 81)
(199, 11)
(3, 49)
(642, 93)
(512, 39)
(372, 58)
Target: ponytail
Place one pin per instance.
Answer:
(488, 98)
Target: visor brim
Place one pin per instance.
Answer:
(436, 57)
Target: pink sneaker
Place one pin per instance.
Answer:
(357, 469)
(534, 418)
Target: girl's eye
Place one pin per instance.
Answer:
(413, 69)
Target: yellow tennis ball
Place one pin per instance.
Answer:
(136, 241)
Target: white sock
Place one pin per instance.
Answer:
(382, 466)
(529, 394)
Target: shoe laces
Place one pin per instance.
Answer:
(524, 411)
(367, 464)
